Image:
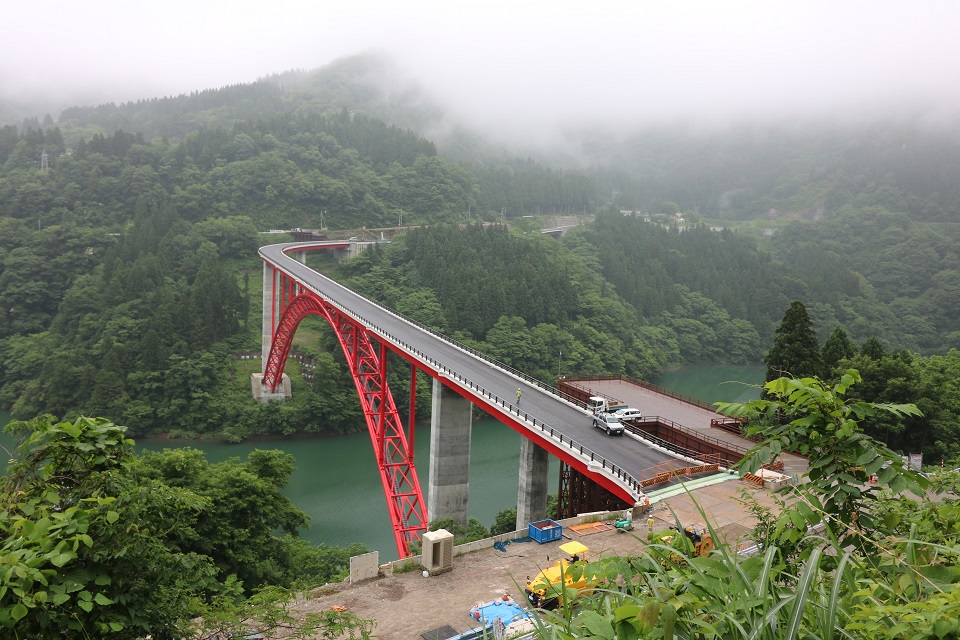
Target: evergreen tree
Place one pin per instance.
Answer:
(872, 348)
(838, 347)
(796, 350)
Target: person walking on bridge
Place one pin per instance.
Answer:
(518, 396)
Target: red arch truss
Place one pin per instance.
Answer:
(390, 443)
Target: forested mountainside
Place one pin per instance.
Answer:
(128, 240)
(781, 169)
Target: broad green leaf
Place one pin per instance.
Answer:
(886, 474)
(19, 611)
(626, 611)
(668, 618)
(61, 559)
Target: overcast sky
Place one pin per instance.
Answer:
(515, 61)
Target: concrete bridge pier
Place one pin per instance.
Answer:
(532, 492)
(270, 320)
(450, 426)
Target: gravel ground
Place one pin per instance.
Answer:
(406, 605)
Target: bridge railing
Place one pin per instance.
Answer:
(585, 453)
(694, 433)
(493, 361)
(673, 448)
(459, 345)
(703, 404)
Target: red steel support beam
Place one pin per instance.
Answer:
(394, 454)
(413, 406)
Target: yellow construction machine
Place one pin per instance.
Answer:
(547, 589)
(698, 540)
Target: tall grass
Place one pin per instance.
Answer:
(901, 590)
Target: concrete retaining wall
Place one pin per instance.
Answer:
(414, 561)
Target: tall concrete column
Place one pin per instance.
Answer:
(532, 493)
(271, 316)
(450, 427)
(271, 311)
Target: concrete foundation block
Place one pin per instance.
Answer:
(263, 394)
(364, 567)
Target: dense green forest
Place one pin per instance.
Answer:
(129, 277)
(129, 287)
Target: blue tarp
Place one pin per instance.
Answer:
(502, 546)
(507, 610)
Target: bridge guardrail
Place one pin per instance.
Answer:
(681, 451)
(544, 428)
(661, 390)
(459, 345)
(717, 442)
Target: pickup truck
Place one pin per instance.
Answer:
(609, 423)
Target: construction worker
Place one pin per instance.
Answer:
(518, 396)
(650, 524)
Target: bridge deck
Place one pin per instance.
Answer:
(653, 403)
(556, 424)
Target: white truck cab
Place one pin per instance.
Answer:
(600, 404)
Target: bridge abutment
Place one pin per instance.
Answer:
(262, 393)
(532, 492)
(450, 427)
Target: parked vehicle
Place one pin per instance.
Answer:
(599, 404)
(609, 423)
(628, 414)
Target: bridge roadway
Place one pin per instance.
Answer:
(542, 415)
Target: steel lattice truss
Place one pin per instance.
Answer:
(368, 367)
(580, 494)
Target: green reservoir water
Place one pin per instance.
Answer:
(337, 483)
(716, 382)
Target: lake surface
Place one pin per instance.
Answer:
(337, 483)
(716, 382)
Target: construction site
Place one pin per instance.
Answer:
(405, 604)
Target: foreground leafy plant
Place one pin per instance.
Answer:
(80, 556)
(806, 416)
(91, 550)
(859, 581)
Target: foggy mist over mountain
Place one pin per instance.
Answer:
(516, 71)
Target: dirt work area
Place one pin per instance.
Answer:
(407, 605)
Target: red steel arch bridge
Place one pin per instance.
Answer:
(367, 332)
